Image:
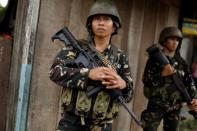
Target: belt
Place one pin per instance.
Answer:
(73, 118)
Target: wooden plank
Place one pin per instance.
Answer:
(78, 18)
(44, 95)
(124, 8)
(147, 38)
(15, 66)
(173, 16)
(162, 19)
(5, 61)
(131, 43)
(26, 67)
(135, 34)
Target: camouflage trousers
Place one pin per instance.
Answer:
(73, 123)
(153, 115)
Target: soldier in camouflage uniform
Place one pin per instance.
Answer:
(83, 113)
(164, 99)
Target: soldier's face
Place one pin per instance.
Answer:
(171, 44)
(102, 26)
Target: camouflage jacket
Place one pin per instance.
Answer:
(72, 77)
(163, 89)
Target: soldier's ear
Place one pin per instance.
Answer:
(115, 29)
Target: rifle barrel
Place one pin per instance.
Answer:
(130, 112)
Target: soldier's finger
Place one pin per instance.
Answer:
(112, 86)
(107, 83)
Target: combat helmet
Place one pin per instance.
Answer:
(170, 32)
(106, 7)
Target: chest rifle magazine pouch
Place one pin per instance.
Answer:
(113, 111)
(83, 103)
(101, 105)
(66, 96)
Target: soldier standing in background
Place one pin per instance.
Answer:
(164, 99)
(83, 113)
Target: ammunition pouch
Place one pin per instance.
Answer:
(113, 112)
(101, 104)
(66, 96)
(98, 107)
(83, 104)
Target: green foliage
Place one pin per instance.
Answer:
(2, 12)
(188, 125)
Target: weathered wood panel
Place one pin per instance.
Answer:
(134, 43)
(5, 60)
(147, 37)
(44, 96)
(15, 65)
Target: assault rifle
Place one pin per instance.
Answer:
(90, 59)
(155, 52)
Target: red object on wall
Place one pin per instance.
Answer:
(194, 69)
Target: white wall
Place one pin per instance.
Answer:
(187, 49)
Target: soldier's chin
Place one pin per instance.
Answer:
(173, 48)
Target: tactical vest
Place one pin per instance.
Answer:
(99, 107)
(169, 92)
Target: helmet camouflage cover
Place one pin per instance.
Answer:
(106, 7)
(169, 32)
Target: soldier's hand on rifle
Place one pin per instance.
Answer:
(193, 105)
(168, 70)
(99, 74)
(112, 80)
(108, 76)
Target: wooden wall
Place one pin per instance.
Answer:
(142, 21)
